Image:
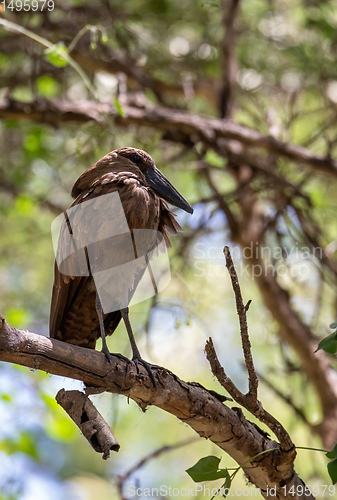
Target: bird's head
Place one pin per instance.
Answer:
(153, 176)
(137, 162)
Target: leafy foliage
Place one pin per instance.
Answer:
(207, 469)
(329, 343)
(332, 466)
(169, 53)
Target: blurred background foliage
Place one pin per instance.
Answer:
(286, 86)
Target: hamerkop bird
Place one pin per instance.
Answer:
(77, 315)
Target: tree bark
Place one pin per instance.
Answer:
(210, 131)
(190, 402)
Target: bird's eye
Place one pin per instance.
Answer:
(136, 159)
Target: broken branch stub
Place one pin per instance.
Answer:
(90, 422)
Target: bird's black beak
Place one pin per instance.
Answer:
(165, 190)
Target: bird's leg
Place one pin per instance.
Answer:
(89, 390)
(99, 310)
(136, 357)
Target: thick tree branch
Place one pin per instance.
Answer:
(191, 403)
(211, 131)
(229, 61)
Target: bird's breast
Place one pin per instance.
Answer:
(141, 205)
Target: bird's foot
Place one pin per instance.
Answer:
(138, 360)
(108, 355)
(106, 352)
(120, 356)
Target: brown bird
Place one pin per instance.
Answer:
(77, 315)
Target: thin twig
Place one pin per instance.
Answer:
(231, 219)
(10, 26)
(249, 400)
(242, 313)
(122, 478)
(221, 375)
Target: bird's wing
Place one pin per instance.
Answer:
(65, 290)
(71, 276)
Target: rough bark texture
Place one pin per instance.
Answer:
(89, 420)
(211, 131)
(191, 403)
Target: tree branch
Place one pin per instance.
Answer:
(90, 422)
(249, 400)
(211, 131)
(229, 61)
(191, 403)
(122, 478)
(242, 313)
(299, 336)
(114, 62)
(254, 406)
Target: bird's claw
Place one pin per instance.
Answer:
(117, 354)
(138, 360)
(120, 356)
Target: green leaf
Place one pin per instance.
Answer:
(24, 443)
(60, 428)
(329, 344)
(25, 206)
(31, 143)
(104, 38)
(118, 107)
(57, 55)
(332, 469)
(227, 484)
(6, 397)
(214, 159)
(18, 317)
(27, 444)
(333, 453)
(333, 325)
(207, 469)
(47, 86)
